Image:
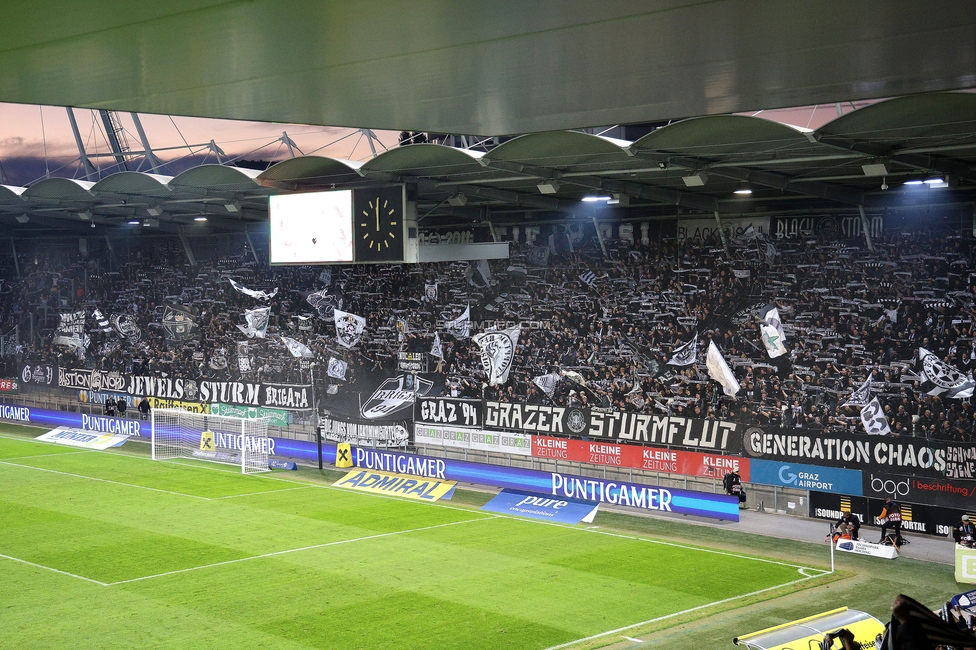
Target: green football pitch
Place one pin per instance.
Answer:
(113, 550)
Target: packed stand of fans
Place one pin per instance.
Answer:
(603, 327)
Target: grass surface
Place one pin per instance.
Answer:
(112, 550)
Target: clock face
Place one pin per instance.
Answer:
(378, 225)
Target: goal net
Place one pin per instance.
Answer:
(218, 438)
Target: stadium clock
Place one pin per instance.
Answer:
(378, 225)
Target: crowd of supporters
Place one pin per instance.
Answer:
(601, 321)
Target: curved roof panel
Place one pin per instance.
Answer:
(133, 183)
(309, 168)
(559, 149)
(727, 136)
(910, 121)
(217, 177)
(69, 189)
(425, 160)
(10, 195)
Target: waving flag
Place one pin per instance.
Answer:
(686, 354)
(435, 349)
(874, 420)
(862, 395)
(349, 328)
(460, 326)
(260, 295)
(771, 330)
(939, 378)
(257, 322)
(497, 352)
(297, 348)
(719, 370)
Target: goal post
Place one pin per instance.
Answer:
(224, 439)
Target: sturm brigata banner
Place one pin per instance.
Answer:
(238, 393)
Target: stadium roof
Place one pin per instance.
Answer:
(694, 165)
(469, 67)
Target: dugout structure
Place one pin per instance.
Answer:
(243, 442)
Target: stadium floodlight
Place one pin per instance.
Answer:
(457, 200)
(22, 218)
(875, 169)
(154, 210)
(233, 206)
(698, 179)
(200, 219)
(548, 187)
(85, 215)
(215, 438)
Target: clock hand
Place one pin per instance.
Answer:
(377, 215)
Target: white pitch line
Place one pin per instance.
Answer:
(674, 614)
(632, 639)
(251, 494)
(104, 480)
(47, 568)
(295, 550)
(60, 453)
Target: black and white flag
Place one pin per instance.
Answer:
(686, 354)
(337, 368)
(478, 273)
(771, 332)
(304, 323)
(460, 326)
(538, 256)
(260, 295)
(325, 303)
(179, 323)
(874, 420)
(243, 356)
(430, 292)
(257, 322)
(498, 352)
(297, 348)
(102, 320)
(940, 378)
(547, 383)
(126, 327)
(349, 328)
(435, 348)
(326, 277)
(588, 278)
(71, 331)
(862, 395)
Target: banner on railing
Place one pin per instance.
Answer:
(446, 410)
(518, 444)
(616, 426)
(902, 455)
(290, 397)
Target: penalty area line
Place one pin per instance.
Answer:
(293, 550)
(681, 613)
(47, 568)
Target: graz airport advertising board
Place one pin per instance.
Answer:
(805, 477)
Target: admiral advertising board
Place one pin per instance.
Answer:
(500, 442)
(914, 456)
(916, 518)
(446, 410)
(652, 459)
(945, 493)
(805, 477)
(616, 426)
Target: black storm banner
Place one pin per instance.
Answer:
(914, 456)
(618, 426)
(449, 411)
